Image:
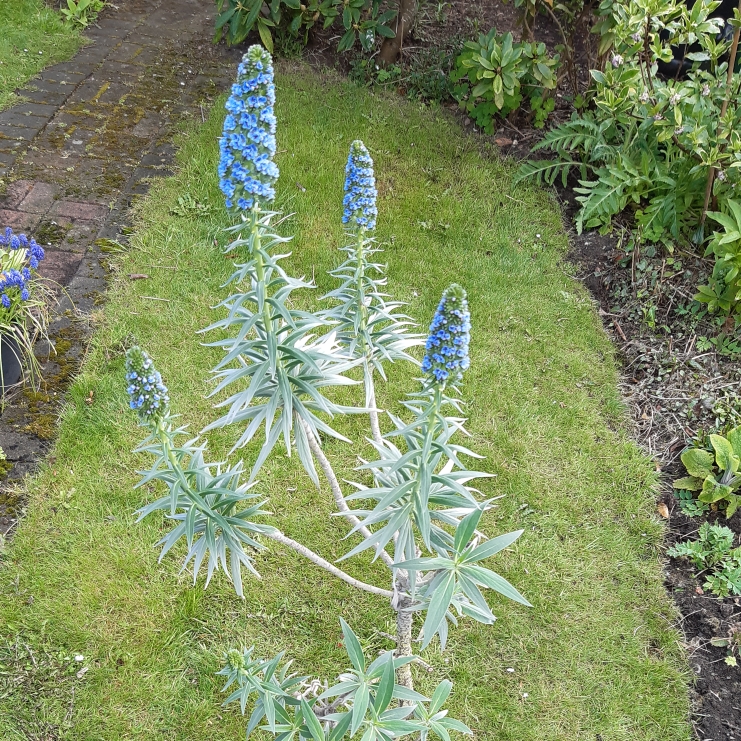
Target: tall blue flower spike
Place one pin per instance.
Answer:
(247, 173)
(446, 355)
(147, 394)
(360, 189)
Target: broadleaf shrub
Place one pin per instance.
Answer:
(659, 146)
(494, 74)
(363, 21)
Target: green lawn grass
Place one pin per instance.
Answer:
(595, 658)
(33, 37)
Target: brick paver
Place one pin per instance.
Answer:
(83, 144)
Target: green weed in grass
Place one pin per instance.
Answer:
(596, 656)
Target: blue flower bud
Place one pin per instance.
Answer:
(148, 395)
(247, 173)
(360, 189)
(447, 345)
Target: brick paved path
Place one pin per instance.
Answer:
(75, 154)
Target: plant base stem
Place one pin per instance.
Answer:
(404, 618)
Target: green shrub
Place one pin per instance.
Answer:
(714, 550)
(715, 475)
(494, 74)
(81, 13)
(362, 20)
(648, 143)
(724, 287)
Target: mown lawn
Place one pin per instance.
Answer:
(33, 37)
(596, 657)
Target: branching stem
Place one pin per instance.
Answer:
(326, 565)
(334, 485)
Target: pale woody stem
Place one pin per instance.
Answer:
(334, 485)
(319, 561)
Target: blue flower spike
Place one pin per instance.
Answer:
(14, 281)
(446, 355)
(247, 173)
(360, 189)
(147, 394)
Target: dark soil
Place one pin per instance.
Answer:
(717, 690)
(676, 392)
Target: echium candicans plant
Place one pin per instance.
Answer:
(204, 499)
(423, 527)
(279, 359)
(428, 516)
(368, 324)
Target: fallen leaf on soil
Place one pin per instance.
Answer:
(663, 510)
(138, 276)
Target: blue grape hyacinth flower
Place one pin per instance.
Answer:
(147, 394)
(360, 189)
(23, 255)
(446, 355)
(247, 173)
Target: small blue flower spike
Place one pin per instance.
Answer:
(247, 173)
(446, 355)
(147, 394)
(360, 189)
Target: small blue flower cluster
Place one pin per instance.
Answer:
(247, 173)
(14, 281)
(450, 333)
(148, 393)
(360, 189)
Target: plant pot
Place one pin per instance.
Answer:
(11, 369)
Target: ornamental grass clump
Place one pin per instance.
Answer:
(418, 513)
(23, 299)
